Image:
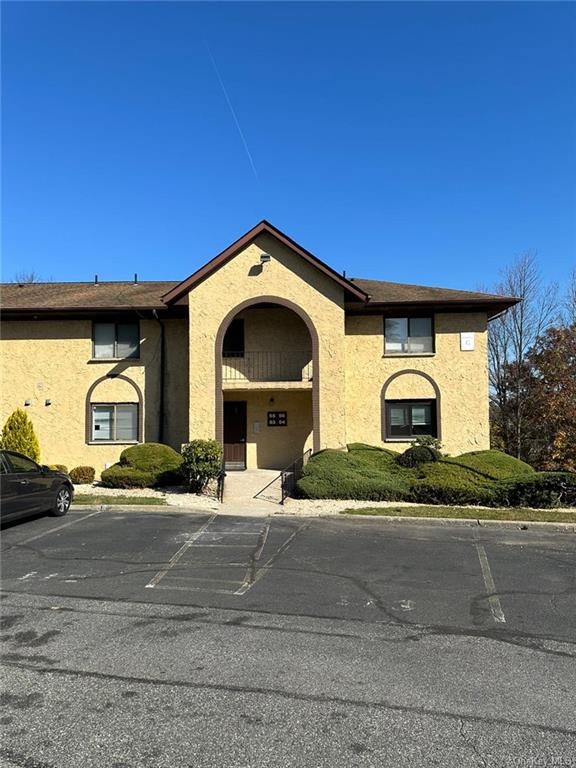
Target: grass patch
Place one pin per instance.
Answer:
(516, 514)
(96, 499)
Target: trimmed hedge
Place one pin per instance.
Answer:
(82, 475)
(484, 478)
(493, 464)
(59, 468)
(541, 489)
(360, 474)
(162, 461)
(119, 476)
(418, 454)
(145, 466)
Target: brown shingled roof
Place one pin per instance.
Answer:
(70, 296)
(383, 292)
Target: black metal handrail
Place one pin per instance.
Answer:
(267, 366)
(291, 475)
(221, 478)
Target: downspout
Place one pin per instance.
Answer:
(162, 377)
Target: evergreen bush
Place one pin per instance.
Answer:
(202, 462)
(82, 475)
(18, 435)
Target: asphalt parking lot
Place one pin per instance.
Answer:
(172, 639)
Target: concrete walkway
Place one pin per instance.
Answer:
(248, 489)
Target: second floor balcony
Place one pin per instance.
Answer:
(240, 368)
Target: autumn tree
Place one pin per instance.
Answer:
(550, 381)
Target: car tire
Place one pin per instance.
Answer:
(62, 501)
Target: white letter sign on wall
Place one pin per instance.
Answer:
(467, 341)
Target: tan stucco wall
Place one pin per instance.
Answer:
(43, 359)
(275, 447)
(274, 328)
(286, 276)
(462, 378)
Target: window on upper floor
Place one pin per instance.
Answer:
(115, 341)
(408, 335)
(114, 422)
(233, 345)
(409, 418)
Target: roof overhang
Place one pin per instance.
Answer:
(176, 293)
(493, 308)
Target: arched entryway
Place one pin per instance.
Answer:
(267, 384)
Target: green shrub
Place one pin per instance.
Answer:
(363, 474)
(59, 468)
(418, 454)
(161, 461)
(494, 464)
(446, 483)
(145, 465)
(540, 490)
(202, 461)
(18, 435)
(122, 476)
(427, 441)
(82, 475)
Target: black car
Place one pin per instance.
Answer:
(26, 487)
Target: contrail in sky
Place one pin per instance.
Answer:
(225, 92)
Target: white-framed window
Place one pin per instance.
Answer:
(408, 335)
(114, 422)
(115, 341)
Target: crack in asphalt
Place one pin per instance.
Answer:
(292, 696)
(469, 743)
(418, 631)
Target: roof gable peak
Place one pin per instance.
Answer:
(228, 253)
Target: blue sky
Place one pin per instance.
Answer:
(418, 142)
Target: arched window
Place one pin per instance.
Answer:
(114, 411)
(411, 406)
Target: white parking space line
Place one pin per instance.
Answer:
(57, 528)
(261, 572)
(493, 599)
(176, 557)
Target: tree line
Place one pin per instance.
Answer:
(532, 367)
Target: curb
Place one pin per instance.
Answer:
(437, 521)
(172, 508)
(464, 521)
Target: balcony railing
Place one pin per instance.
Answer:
(267, 366)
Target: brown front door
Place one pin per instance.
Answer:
(235, 434)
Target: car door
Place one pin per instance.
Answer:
(10, 490)
(30, 483)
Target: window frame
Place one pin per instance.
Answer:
(409, 318)
(432, 402)
(115, 323)
(113, 441)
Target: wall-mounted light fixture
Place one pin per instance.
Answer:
(27, 402)
(265, 258)
(47, 402)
